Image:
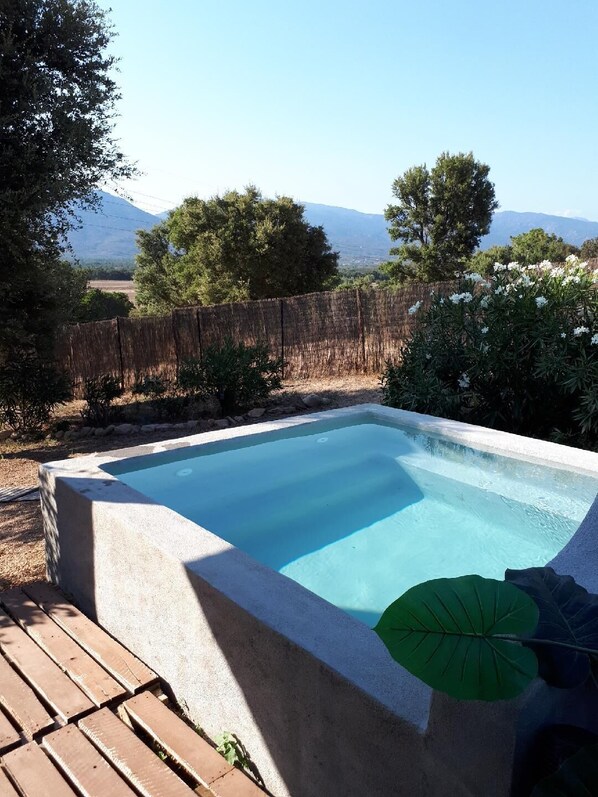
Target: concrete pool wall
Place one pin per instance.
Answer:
(311, 692)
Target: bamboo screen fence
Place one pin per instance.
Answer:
(318, 334)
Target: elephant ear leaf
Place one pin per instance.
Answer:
(569, 615)
(578, 775)
(453, 634)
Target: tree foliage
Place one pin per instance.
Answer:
(589, 249)
(440, 217)
(56, 109)
(97, 305)
(526, 249)
(229, 248)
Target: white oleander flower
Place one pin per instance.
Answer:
(545, 264)
(572, 278)
(484, 302)
(580, 331)
(513, 266)
(484, 330)
(594, 340)
(571, 259)
(485, 348)
(499, 290)
(463, 381)
(461, 297)
(499, 267)
(557, 271)
(414, 308)
(563, 334)
(541, 301)
(475, 277)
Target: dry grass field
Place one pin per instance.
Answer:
(117, 286)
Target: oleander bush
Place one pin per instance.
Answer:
(30, 389)
(165, 397)
(99, 393)
(238, 376)
(517, 351)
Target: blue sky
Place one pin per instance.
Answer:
(329, 101)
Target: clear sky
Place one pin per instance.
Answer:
(328, 101)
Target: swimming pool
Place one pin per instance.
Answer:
(359, 512)
(253, 604)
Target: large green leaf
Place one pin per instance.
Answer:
(577, 777)
(448, 633)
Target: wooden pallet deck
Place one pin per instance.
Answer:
(81, 716)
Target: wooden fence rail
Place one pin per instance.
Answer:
(318, 334)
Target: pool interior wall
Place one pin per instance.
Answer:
(311, 691)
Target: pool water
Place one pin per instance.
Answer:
(360, 513)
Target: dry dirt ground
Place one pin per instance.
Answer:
(21, 535)
(116, 286)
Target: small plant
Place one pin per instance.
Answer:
(99, 393)
(237, 375)
(30, 389)
(517, 351)
(232, 748)
(481, 639)
(164, 394)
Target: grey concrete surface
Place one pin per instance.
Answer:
(311, 692)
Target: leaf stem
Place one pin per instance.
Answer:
(523, 640)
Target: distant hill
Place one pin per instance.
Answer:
(361, 238)
(110, 233)
(507, 223)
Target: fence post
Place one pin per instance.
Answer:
(197, 318)
(120, 354)
(175, 337)
(282, 335)
(361, 328)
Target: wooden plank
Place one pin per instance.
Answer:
(86, 769)
(137, 763)
(100, 687)
(34, 774)
(6, 789)
(121, 663)
(180, 741)
(235, 784)
(9, 736)
(21, 703)
(40, 672)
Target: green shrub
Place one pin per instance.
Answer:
(30, 388)
(517, 352)
(99, 393)
(98, 305)
(235, 374)
(166, 399)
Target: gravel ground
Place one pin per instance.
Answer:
(21, 535)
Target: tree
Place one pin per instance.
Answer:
(97, 305)
(56, 110)
(440, 218)
(589, 249)
(537, 245)
(233, 247)
(528, 248)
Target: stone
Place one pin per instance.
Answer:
(85, 431)
(239, 419)
(256, 412)
(161, 427)
(191, 425)
(282, 409)
(123, 428)
(100, 432)
(178, 426)
(148, 427)
(221, 423)
(312, 401)
(59, 434)
(325, 401)
(71, 434)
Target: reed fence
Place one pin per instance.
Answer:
(318, 334)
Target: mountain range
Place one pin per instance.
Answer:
(361, 238)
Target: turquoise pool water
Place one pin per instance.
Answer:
(360, 513)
